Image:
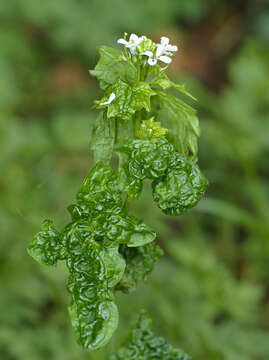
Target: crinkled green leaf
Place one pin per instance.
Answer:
(178, 183)
(119, 228)
(165, 83)
(46, 246)
(133, 186)
(139, 264)
(181, 188)
(99, 191)
(103, 137)
(93, 312)
(89, 245)
(147, 159)
(128, 99)
(114, 265)
(100, 199)
(141, 235)
(143, 344)
(181, 120)
(111, 66)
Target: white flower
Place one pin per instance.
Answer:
(133, 42)
(153, 60)
(110, 99)
(164, 50)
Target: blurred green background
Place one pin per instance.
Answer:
(210, 293)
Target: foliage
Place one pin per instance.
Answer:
(139, 264)
(143, 344)
(89, 245)
(100, 224)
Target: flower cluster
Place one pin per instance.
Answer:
(143, 46)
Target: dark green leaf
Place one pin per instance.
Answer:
(147, 159)
(132, 185)
(128, 99)
(99, 191)
(119, 228)
(181, 188)
(93, 312)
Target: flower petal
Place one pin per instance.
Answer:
(160, 50)
(165, 59)
(164, 40)
(122, 41)
(167, 53)
(132, 48)
(143, 37)
(147, 53)
(110, 99)
(171, 48)
(152, 62)
(134, 38)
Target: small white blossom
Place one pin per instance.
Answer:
(133, 42)
(164, 50)
(110, 99)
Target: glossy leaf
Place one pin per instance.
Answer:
(119, 228)
(181, 188)
(100, 198)
(133, 186)
(93, 312)
(148, 159)
(90, 247)
(99, 191)
(128, 99)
